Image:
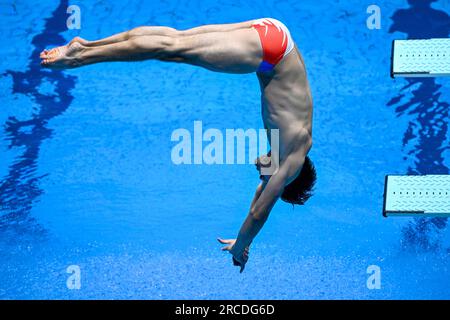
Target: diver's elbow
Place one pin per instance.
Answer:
(257, 215)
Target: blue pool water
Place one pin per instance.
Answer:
(87, 178)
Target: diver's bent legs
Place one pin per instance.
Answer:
(162, 31)
(135, 32)
(119, 37)
(237, 51)
(134, 49)
(76, 54)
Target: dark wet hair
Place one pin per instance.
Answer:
(301, 189)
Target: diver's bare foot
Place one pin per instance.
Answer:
(63, 57)
(53, 51)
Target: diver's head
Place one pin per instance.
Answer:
(301, 188)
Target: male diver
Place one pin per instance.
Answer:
(263, 46)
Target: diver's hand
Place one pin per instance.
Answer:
(239, 259)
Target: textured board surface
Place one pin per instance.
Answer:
(417, 195)
(421, 58)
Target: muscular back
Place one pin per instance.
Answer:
(287, 103)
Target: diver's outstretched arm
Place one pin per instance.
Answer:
(260, 210)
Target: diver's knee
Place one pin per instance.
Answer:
(135, 32)
(173, 45)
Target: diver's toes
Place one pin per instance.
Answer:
(53, 52)
(44, 53)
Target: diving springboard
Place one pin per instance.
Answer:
(420, 58)
(417, 195)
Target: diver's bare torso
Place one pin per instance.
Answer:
(286, 103)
